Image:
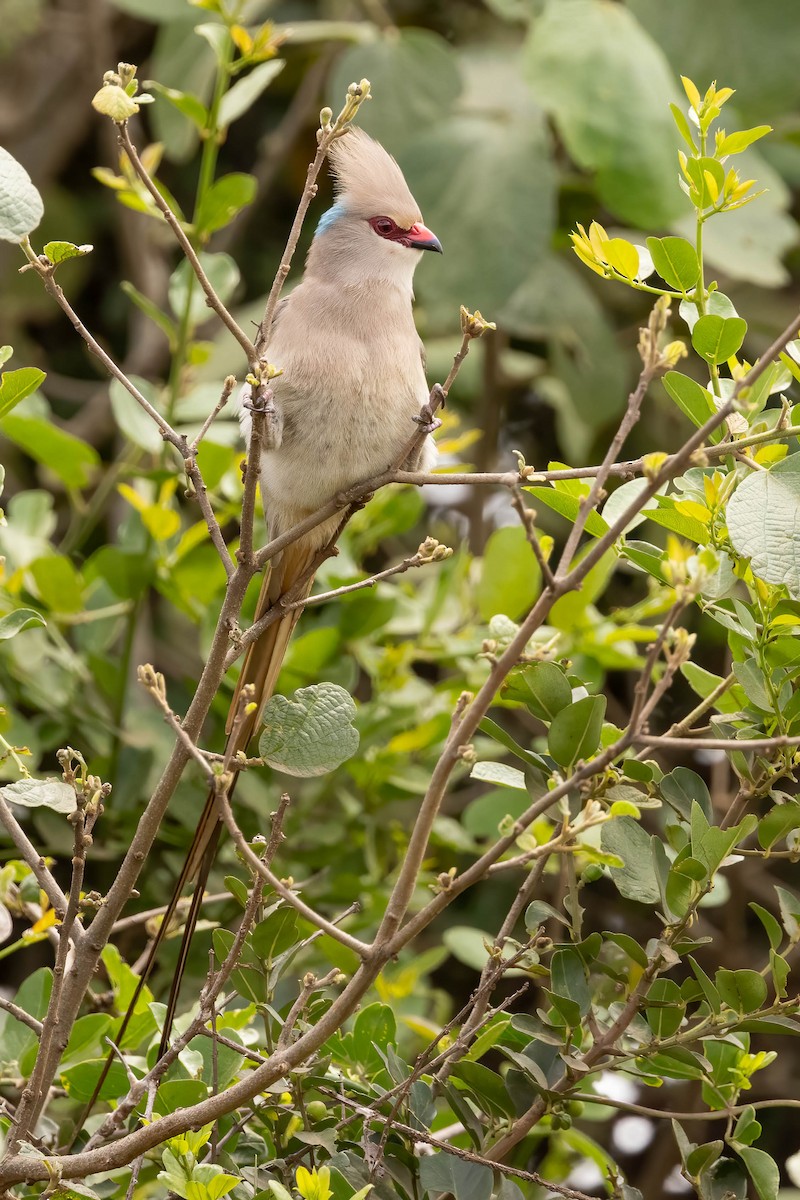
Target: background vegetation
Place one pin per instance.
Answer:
(514, 120)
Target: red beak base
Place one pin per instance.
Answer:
(422, 238)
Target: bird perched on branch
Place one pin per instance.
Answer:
(352, 383)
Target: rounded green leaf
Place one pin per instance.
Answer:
(310, 734)
(21, 206)
(575, 731)
(224, 199)
(716, 338)
(743, 991)
(464, 172)
(542, 687)
(413, 71)
(510, 576)
(676, 261)
(763, 518)
(607, 86)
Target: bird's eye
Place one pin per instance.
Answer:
(383, 225)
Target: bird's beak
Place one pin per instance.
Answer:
(422, 238)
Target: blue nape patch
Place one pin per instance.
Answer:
(329, 218)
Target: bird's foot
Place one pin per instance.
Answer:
(427, 422)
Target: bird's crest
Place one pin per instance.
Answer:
(369, 181)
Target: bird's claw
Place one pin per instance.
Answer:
(427, 422)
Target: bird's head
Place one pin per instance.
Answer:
(375, 229)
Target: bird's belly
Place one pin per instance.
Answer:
(334, 442)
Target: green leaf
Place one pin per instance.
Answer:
(762, 1169)
(716, 339)
(41, 793)
(763, 516)
(21, 207)
(68, 457)
(244, 93)
(446, 1173)
(21, 618)
(487, 1087)
(621, 499)
(275, 934)
(375, 1025)
(682, 788)
(188, 105)
(683, 127)
(637, 879)
(468, 945)
(417, 75)
(711, 845)
(778, 822)
(707, 176)
(86, 1038)
(743, 991)
(628, 945)
(500, 773)
(33, 997)
(485, 155)
(310, 734)
(542, 687)
(16, 385)
(81, 1080)
(789, 906)
(771, 924)
(151, 310)
(510, 577)
(132, 421)
(539, 912)
(676, 261)
(717, 303)
(735, 143)
(227, 196)
(58, 583)
(223, 275)
(568, 506)
(678, 522)
(712, 996)
(59, 252)
(704, 683)
(568, 978)
(664, 1007)
(575, 731)
(591, 66)
(692, 399)
(500, 735)
(747, 1129)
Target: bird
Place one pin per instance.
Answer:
(352, 382)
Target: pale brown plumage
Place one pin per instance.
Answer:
(352, 382)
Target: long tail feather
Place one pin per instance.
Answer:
(260, 669)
